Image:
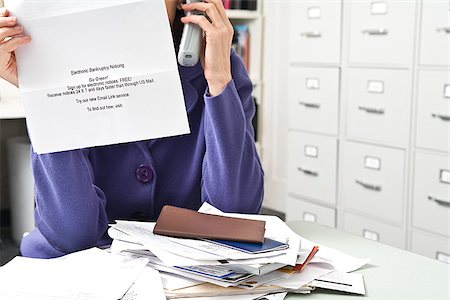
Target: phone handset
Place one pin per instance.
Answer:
(189, 51)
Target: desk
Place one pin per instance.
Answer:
(391, 274)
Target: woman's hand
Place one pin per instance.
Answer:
(218, 37)
(10, 38)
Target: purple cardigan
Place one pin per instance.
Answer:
(79, 192)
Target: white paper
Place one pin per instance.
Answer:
(174, 282)
(222, 251)
(147, 286)
(309, 273)
(339, 260)
(173, 270)
(234, 297)
(265, 279)
(28, 278)
(98, 73)
(340, 281)
(143, 232)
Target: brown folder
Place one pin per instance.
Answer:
(181, 222)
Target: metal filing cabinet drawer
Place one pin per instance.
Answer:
(381, 32)
(433, 110)
(435, 33)
(315, 31)
(312, 166)
(431, 203)
(305, 211)
(314, 99)
(378, 103)
(373, 180)
(374, 230)
(431, 245)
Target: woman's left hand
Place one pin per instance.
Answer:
(218, 37)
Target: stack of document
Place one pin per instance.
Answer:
(141, 265)
(203, 268)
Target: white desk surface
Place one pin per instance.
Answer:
(391, 274)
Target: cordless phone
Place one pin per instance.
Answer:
(189, 51)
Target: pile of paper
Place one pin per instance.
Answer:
(141, 265)
(199, 268)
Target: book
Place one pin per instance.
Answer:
(241, 43)
(252, 248)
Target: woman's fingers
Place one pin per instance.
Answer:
(199, 20)
(4, 12)
(221, 9)
(6, 32)
(14, 43)
(8, 21)
(209, 8)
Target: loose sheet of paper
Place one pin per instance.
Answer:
(98, 73)
(147, 286)
(340, 281)
(299, 279)
(74, 276)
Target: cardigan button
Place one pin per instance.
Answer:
(144, 173)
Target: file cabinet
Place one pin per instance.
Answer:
(312, 166)
(315, 31)
(392, 137)
(314, 99)
(378, 105)
(433, 110)
(435, 33)
(310, 212)
(431, 198)
(375, 230)
(373, 180)
(430, 245)
(381, 32)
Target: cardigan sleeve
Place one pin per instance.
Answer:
(70, 210)
(232, 176)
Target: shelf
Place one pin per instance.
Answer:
(241, 14)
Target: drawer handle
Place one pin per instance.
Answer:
(439, 201)
(308, 172)
(311, 34)
(309, 105)
(376, 31)
(371, 110)
(442, 117)
(443, 29)
(369, 186)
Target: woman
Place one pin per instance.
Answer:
(79, 192)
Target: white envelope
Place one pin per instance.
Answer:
(98, 73)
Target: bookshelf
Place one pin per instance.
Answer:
(252, 20)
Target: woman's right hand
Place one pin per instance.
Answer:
(10, 39)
